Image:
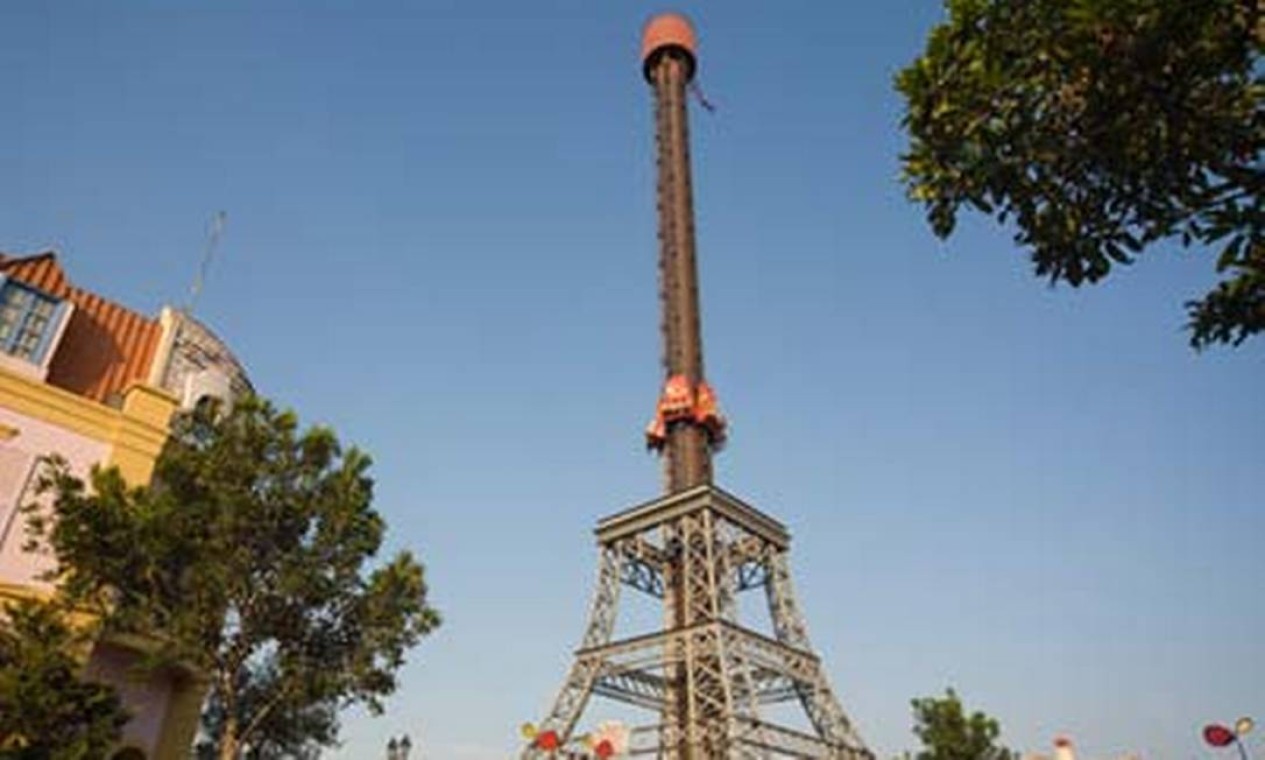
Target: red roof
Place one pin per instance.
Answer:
(105, 348)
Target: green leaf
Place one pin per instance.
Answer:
(1230, 254)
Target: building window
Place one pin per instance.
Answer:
(28, 319)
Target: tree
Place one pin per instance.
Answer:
(948, 733)
(47, 711)
(245, 560)
(290, 731)
(1101, 127)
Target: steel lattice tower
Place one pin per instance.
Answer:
(704, 677)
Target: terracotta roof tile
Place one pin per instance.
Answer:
(106, 346)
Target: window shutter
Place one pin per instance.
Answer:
(51, 330)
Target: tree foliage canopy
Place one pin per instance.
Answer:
(292, 730)
(47, 711)
(1100, 127)
(246, 559)
(948, 733)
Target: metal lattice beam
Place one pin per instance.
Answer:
(705, 683)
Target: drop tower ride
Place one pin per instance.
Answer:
(704, 680)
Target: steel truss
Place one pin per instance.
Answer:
(704, 681)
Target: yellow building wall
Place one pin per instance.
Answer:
(136, 432)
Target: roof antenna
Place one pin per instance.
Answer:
(213, 240)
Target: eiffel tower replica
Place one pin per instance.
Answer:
(704, 679)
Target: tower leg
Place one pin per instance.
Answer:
(823, 709)
(578, 685)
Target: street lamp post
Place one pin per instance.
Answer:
(399, 749)
(1218, 735)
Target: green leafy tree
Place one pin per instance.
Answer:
(1100, 127)
(246, 560)
(292, 730)
(948, 733)
(47, 711)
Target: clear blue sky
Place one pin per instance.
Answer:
(441, 241)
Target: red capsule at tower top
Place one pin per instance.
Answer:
(668, 31)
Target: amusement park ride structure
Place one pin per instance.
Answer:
(704, 678)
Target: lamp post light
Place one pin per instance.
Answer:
(399, 749)
(1218, 735)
